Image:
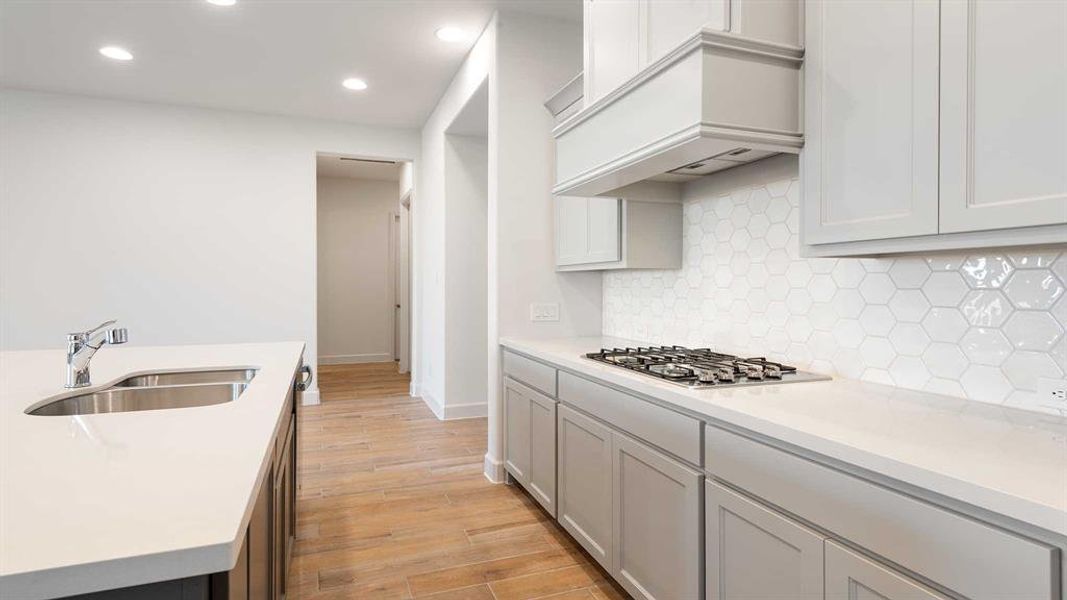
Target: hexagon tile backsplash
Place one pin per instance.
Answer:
(981, 325)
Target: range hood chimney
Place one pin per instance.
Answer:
(717, 101)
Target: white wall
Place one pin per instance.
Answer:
(526, 58)
(355, 274)
(466, 265)
(403, 208)
(428, 214)
(189, 225)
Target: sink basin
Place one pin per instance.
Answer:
(128, 399)
(188, 377)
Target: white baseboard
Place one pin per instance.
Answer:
(494, 469)
(311, 398)
(346, 359)
(448, 412)
(413, 389)
(434, 405)
(466, 411)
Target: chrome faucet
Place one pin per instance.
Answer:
(82, 346)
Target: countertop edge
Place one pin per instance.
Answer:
(1029, 513)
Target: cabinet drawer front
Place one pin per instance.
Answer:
(534, 374)
(964, 555)
(671, 431)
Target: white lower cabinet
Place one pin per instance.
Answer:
(585, 483)
(754, 552)
(850, 576)
(635, 510)
(656, 535)
(530, 441)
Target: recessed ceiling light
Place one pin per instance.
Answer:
(222, 2)
(451, 34)
(116, 53)
(354, 83)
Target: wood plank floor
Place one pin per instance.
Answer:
(367, 380)
(393, 504)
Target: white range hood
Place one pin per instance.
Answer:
(717, 101)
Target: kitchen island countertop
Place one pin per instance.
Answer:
(105, 501)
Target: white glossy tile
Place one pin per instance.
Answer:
(1036, 289)
(1032, 260)
(945, 325)
(909, 339)
(1024, 368)
(987, 271)
(945, 360)
(1032, 330)
(909, 305)
(945, 262)
(985, 383)
(945, 288)
(877, 352)
(877, 319)
(877, 288)
(909, 272)
(985, 346)
(909, 372)
(848, 273)
(986, 308)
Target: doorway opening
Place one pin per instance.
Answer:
(363, 245)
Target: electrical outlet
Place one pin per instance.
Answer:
(1052, 392)
(546, 311)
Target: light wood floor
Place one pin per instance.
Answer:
(368, 380)
(393, 504)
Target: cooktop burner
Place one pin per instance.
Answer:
(701, 367)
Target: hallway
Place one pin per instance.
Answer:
(393, 504)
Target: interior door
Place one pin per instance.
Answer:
(754, 552)
(1003, 115)
(850, 576)
(871, 120)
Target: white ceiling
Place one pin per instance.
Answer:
(333, 165)
(271, 56)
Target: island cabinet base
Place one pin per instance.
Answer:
(261, 570)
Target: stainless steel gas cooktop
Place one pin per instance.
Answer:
(701, 367)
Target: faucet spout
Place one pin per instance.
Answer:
(82, 346)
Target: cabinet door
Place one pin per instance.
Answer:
(281, 513)
(1003, 115)
(656, 531)
(585, 483)
(587, 230)
(612, 48)
(850, 576)
(668, 23)
(516, 432)
(542, 484)
(754, 552)
(871, 107)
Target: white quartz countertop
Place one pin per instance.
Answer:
(103, 501)
(1004, 460)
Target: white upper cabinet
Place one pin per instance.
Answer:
(595, 233)
(934, 125)
(870, 156)
(587, 230)
(612, 53)
(1003, 114)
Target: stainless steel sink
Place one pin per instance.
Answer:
(154, 391)
(188, 377)
(128, 399)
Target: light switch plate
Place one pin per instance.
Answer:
(544, 311)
